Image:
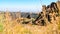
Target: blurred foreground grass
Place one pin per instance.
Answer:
(12, 27)
(1, 27)
(1, 23)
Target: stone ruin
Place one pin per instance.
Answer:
(49, 14)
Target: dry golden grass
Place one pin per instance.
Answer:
(13, 27)
(29, 29)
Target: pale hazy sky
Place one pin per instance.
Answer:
(23, 5)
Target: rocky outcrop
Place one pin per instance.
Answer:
(49, 14)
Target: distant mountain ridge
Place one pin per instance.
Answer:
(21, 14)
